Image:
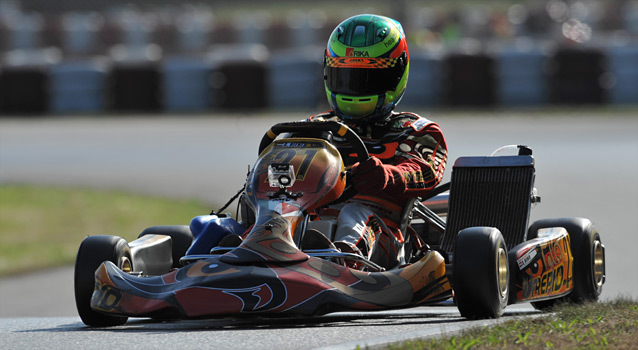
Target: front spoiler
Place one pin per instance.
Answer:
(211, 287)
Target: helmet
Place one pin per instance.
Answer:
(366, 67)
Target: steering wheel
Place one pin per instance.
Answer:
(337, 128)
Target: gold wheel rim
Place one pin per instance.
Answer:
(599, 264)
(502, 271)
(125, 264)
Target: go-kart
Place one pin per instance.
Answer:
(470, 243)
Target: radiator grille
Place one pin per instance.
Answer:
(490, 196)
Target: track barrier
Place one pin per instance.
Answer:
(575, 76)
(232, 77)
(469, 80)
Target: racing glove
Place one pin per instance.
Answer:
(373, 177)
(370, 176)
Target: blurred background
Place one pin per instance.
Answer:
(96, 56)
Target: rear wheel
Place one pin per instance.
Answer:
(481, 273)
(93, 251)
(589, 259)
(181, 239)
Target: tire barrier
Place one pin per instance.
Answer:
(78, 87)
(239, 84)
(469, 80)
(576, 75)
(295, 80)
(187, 85)
(623, 74)
(521, 78)
(424, 81)
(249, 77)
(239, 76)
(135, 87)
(24, 90)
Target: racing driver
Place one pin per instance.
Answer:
(366, 66)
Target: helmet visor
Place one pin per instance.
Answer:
(362, 77)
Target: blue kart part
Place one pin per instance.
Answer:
(208, 231)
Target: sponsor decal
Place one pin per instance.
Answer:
(549, 283)
(298, 145)
(360, 62)
(402, 123)
(420, 124)
(547, 269)
(552, 256)
(391, 40)
(105, 297)
(350, 52)
(526, 258)
(413, 179)
(291, 144)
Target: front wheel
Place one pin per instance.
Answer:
(481, 273)
(93, 251)
(589, 259)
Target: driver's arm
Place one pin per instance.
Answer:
(416, 168)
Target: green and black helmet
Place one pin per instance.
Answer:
(366, 67)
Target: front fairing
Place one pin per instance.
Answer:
(313, 286)
(319, 174)
(541, 268)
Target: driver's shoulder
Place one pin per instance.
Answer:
(407, 122)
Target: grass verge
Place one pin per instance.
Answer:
(604, 325)
(43, 227)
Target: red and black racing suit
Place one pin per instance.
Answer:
(413, 154)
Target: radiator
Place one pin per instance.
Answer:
(493, 192)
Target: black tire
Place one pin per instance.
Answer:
(181, 239)
(480, 273)
(589, 259)
(93, 251)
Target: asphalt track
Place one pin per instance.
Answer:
(586, 161)
(330, 332)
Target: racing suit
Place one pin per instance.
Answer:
(410, 154)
